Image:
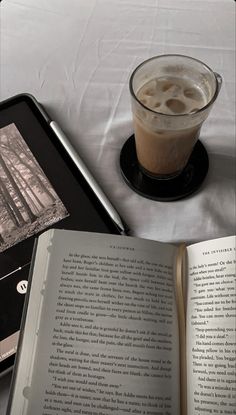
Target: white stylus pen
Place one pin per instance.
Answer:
(89, 178)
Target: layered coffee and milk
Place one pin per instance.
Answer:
(165, 150)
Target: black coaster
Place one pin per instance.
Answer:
(165, 190)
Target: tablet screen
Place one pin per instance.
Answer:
(28, 201)
(40, 187)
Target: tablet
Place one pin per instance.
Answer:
(41, 186)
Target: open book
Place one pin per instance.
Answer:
(120, 325)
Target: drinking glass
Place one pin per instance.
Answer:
(171, 96)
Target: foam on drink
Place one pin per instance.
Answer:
(169, 95)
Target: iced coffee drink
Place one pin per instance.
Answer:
(171, 99)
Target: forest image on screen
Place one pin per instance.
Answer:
(28, 203)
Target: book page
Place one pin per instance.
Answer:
(211, 328)
(108, 332)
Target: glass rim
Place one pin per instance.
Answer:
(216, 76)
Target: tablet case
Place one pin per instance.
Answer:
(24, 118)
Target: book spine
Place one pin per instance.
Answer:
(180, 290)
